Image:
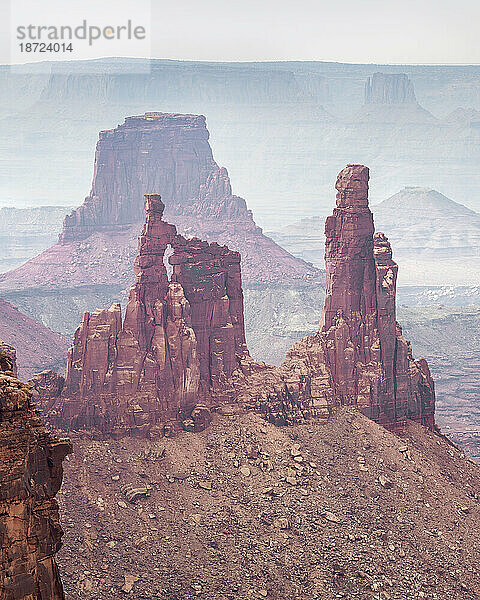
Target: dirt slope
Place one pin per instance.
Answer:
(37, 347)
(231, 514)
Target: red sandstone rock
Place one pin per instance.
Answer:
(46, 387)
(169, 153)
(359, 356)
(8, 356)
(30, 476)
(180, 342)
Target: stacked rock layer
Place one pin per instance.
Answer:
(30, 476)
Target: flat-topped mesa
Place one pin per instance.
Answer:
(390, 100)
(172, 357)
(359, 356)
(166, 151)
(170, 153)
(389, 88)
(30, 476)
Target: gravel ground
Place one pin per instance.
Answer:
(246, 510)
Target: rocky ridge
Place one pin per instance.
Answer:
(248, 511)
(181, 349)
(30, 476)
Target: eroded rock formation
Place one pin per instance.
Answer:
(181, 347)
(180, 341)
(30, 476)
(46, 387)
(359, 356)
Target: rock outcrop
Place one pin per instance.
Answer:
(169, 153)
(46, 387)
(30, 476)
(180, 341)
(181, 347)
(359, 356)
(8, 358)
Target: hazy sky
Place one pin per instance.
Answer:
(382, 31)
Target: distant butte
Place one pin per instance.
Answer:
(171, 154)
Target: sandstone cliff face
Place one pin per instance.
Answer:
(180, 341)
(30, 476)
(359, 356)
(169, 153)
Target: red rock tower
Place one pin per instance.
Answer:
(358, 357)
(370, 362)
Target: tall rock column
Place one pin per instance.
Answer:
(370, 363)
(358, 356)
(349, 315)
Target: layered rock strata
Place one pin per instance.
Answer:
(359, 356)
(30, 476)
(180, 341)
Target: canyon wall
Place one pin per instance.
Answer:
(389, 88)
(30, 476)
(181, 340)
